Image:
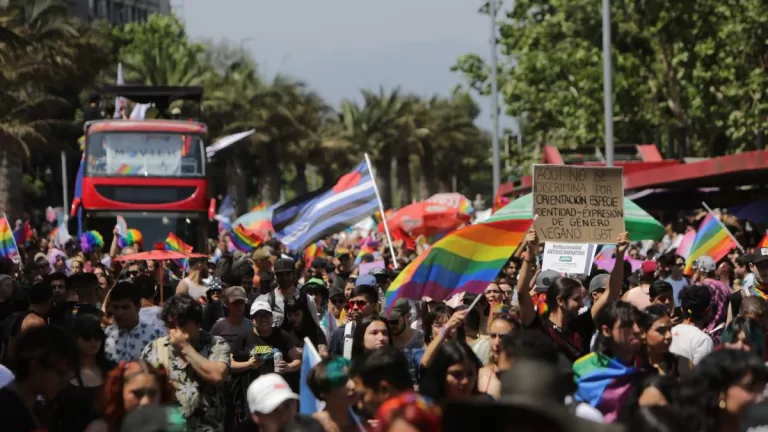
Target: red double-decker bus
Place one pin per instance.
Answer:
(151, 172)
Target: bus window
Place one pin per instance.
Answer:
(144, 154)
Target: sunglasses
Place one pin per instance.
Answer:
(132, 273)
(359, 303)
(141, 392)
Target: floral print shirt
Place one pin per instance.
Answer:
(202, 403)
(126, 345)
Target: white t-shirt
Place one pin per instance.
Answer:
(690, 342)
(677, 286)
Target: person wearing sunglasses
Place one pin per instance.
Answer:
(676, 277)
(363, 303)
(80, 402)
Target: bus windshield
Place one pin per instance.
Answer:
(145, 154)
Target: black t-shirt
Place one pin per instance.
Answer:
(572, 342)
(264, 348)
(6, 309)
(14, 415)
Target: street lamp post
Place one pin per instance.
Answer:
(494, 102)
(607, 83)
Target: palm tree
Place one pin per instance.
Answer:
(38, 45)
(376, 128)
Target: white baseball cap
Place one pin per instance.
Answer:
(260, 305)
(267, 392)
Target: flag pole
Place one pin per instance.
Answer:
(724, 227)
(381, 209)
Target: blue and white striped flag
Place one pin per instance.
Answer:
(309, 218)
(308, 403)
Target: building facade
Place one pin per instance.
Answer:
(119, 11)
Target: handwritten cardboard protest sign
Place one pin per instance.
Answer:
(578, 204)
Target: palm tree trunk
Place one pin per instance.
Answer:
(237, 183)
(11, 187)
(300, 185)
(269, 174)
(404, 186)
(428, 169)
(384, 180)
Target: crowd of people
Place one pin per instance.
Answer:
(88, 345)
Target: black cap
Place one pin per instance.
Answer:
(761, 254)
(285, 265)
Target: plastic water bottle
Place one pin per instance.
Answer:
(277, 357)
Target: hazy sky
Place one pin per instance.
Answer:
(342, 46)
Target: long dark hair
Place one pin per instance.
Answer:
(441, 311)
(450, 353)
(89, 327)
(700, 391)
(666, 385)
(620, 311)
(308, 327)
(561, 287)
(358, 340)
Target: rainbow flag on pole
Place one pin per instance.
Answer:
(244, 240)
(764, 242)
(175, 244)
(684, 250)
(712, 239)
(466, 260)
(8, 247)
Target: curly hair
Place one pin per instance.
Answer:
(700, 390)
(416, 410)
(114, 406)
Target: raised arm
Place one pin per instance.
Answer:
(213, 371)
(527, 309)
(616, 281)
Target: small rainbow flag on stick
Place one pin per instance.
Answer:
(175, 244)
(713, 239)
(8, 247)
(244, 240)
(466, 260)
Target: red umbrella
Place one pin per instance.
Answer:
(161, 256)
(427, 219)
(158, 255)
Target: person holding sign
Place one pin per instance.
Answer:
(570, 330)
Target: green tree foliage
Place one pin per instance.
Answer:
(698, 66)
(46, 60)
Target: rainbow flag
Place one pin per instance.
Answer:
(466, 260)
(712, 239)
(764, 242)
(259, 207)
(603, 382)
(8, 247)
(175, 244)
(684, 250)
(23, 234)
(311, 252)
(244, 240)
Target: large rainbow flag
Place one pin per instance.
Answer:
(604, 383)
(8, 247)
(466, 260)
(244, 240)
(712, 239)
